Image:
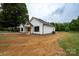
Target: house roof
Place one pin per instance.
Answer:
(28, 23)
(42, 21)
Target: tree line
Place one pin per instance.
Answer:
(12, 15)
(71, 26)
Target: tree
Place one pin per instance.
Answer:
(67, 29)
(74, 25)
(14, 14)
(61, 26)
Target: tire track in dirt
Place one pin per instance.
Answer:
(35, 45)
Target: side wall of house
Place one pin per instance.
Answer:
(21, 26)
(48, 29)
(35, 22)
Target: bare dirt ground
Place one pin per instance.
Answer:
(31, 45)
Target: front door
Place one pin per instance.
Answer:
(29, 30)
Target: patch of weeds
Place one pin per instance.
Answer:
(70, 44)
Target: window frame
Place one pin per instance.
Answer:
(36, 28)
(21, 29)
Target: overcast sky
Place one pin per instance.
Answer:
(54, 12)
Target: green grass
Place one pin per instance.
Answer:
(70, 43)
(1, 32)
(4, 31)
(3, 37)
(7, 38)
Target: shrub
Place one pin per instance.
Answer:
(67, 29)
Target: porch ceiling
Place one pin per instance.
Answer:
(27, 25)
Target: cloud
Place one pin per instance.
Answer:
(54, 12)
(66, 13)
(59, 10)
(41, 9)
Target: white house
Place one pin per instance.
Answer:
(37, 26)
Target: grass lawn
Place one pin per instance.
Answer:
(30, 45)
(70, 43)
(4, 31)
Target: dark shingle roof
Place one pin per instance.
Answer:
(42, 21)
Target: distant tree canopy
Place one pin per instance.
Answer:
(61, 26)
(72, 26)
(13, 14)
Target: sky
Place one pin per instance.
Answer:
(54, 12)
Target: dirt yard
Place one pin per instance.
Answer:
(31, 45)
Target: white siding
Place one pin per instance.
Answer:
(48, 29)
(35, 22)
(43, 29)
(21, 26)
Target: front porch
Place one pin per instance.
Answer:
(28, 28)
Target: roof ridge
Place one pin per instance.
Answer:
(40, 19)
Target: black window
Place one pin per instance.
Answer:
(36, 28)
(21, 29)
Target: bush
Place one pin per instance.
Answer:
(67, 29)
